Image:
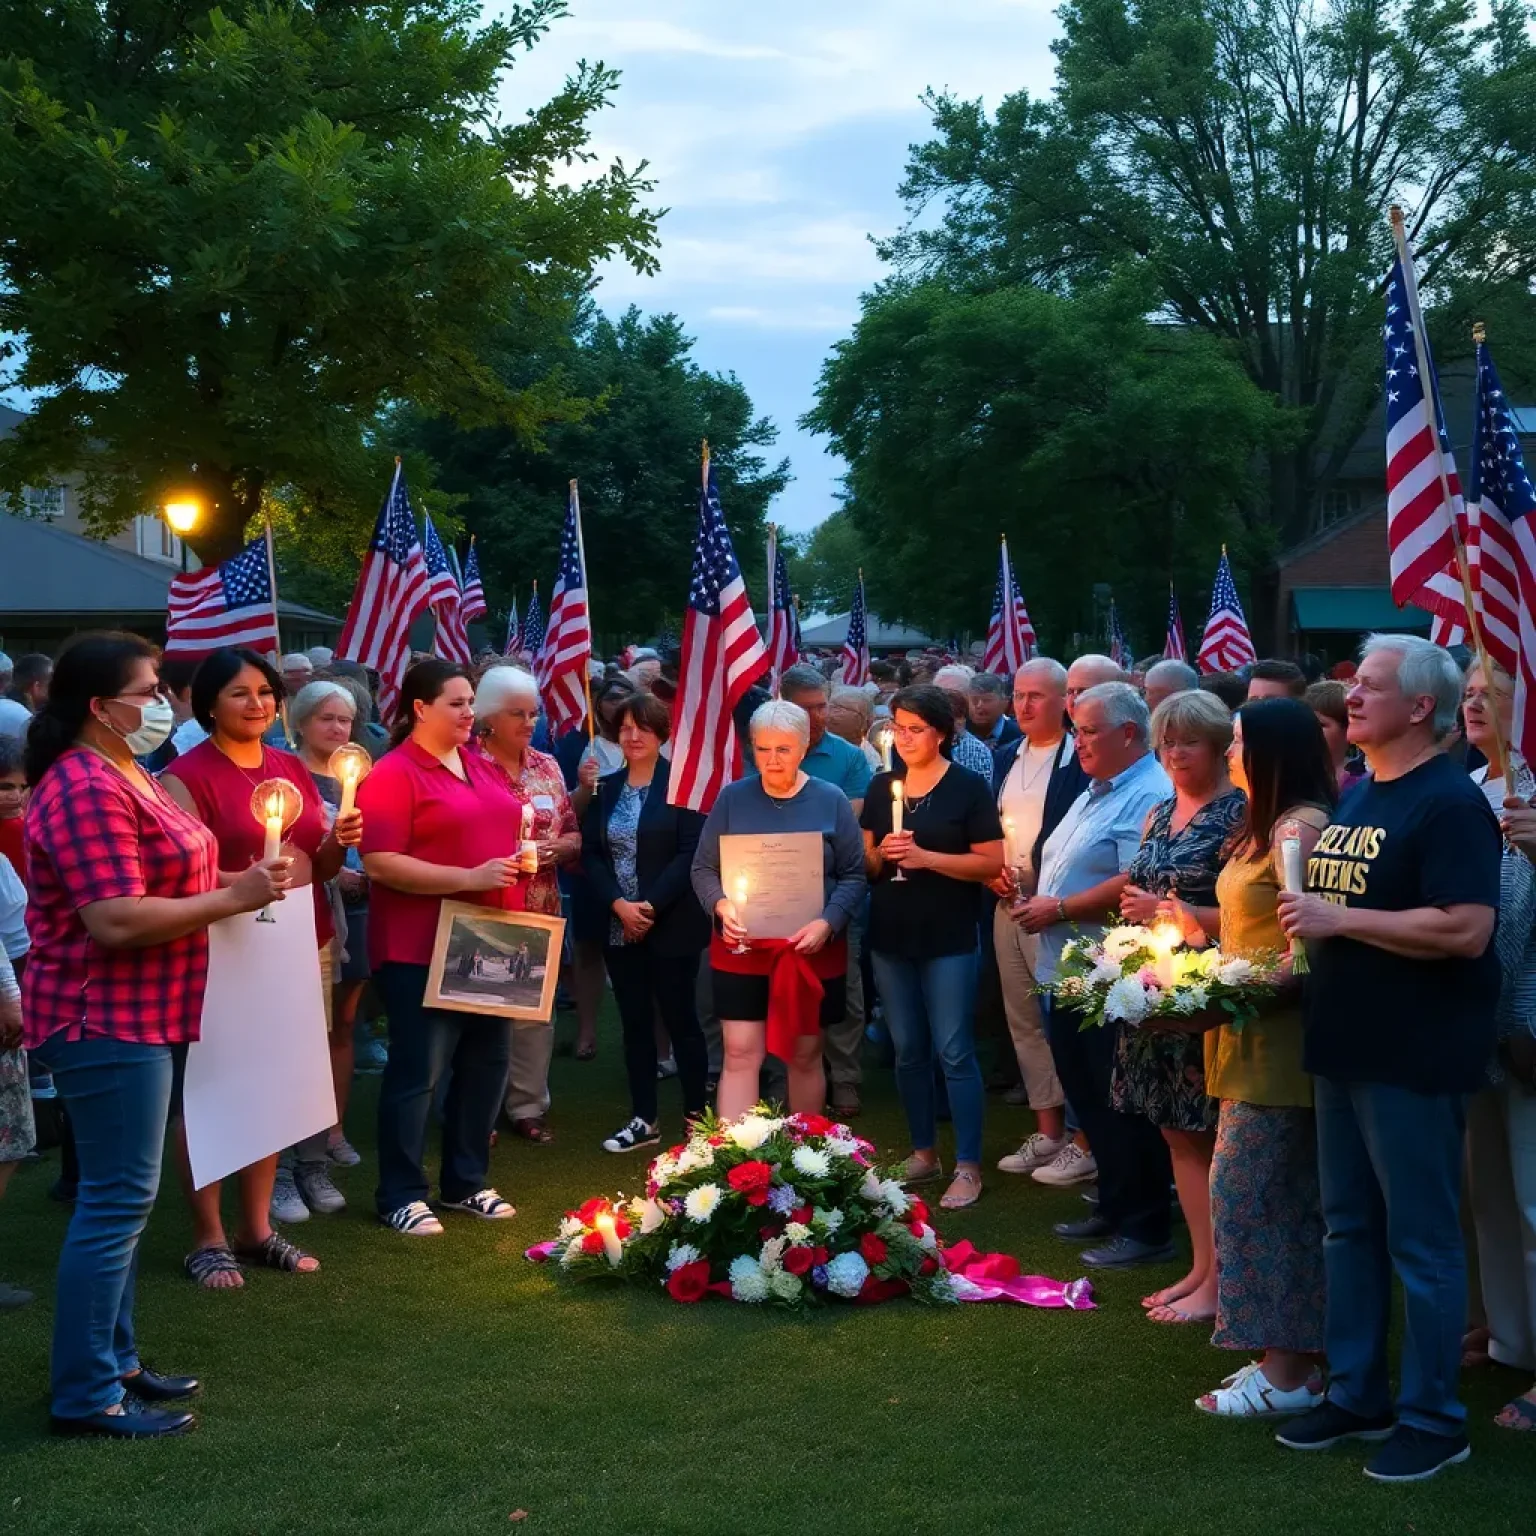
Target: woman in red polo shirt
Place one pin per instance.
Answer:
(124, 884)
(235, 695)
(440, 822)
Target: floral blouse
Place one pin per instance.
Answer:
(623, 839)
(542, 785)
(1185, 863)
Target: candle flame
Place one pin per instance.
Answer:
(897, 790)
(274, 806)
(1166, 938)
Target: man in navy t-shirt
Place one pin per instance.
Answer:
(1402, 894)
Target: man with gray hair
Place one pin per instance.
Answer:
(1402, 891)
(1166, 678)
(1082, 872)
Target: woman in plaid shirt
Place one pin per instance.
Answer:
(123, 885)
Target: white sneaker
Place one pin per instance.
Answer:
(287, 1203)
(342, 1152)
(1070, 1166)
(318, 1192)
(1249, 1395)
(414, 1220)
(1037, 1151)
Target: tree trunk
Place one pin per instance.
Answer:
(230, 498)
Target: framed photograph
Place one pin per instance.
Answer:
(485, 960)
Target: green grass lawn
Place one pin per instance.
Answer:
(442, 1384)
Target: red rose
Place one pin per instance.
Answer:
(751, 1178)
(814, 1125)
(874, 1290)
(798, 1260)
(592, 1243)
(802, 1214)
(928, 1266)
(873, 1249)
(689, 1281)
(767, 1232)
(915, 1228)
(677, 1151)
(591, 1211)
(919, 1210)
(821, 1255)
(621, 1228)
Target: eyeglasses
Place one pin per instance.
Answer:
(909, 731)
(12, 789)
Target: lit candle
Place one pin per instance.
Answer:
(897, 803)
(741, 896)
(528, 850)
(611, 1244)
(1166, 938)
(274, 828)
(527, 822)
(349, 765)
(1008, 849)
(885, 751)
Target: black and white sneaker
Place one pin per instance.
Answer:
(484, 1203)
(636, 1134)
(413, 1220)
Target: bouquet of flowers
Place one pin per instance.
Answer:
(788, 1210)
(1145, 977)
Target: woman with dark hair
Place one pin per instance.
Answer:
(441, 823)
(124, 884)
(1265, 1205)
(926, 871)
(1327, 700)
(235, 694)
(637, 852)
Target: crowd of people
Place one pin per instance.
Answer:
(970, 825)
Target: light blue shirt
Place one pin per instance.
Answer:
(970, 751)
(835, 761)
(1095, 841)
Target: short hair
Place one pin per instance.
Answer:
(1199, 714)
(803, 678)
(11, 757)
(1328, 698)
(500, 685)
(29, 669)
(312, 696)
(954, 675)
(296, 661)
(219, 669)
(646, 711)
(1052, 668)
(1146, 663)
(1170, 672)
(959, 704)
(1227, 686)
(990, 682)
(362, 699)
(1275, 671)
(781, 715)
(1122, 705)
(177, 671)
(1423, 668)
(1101, 662)
(321, 655)
(883, 671)
(855, 698)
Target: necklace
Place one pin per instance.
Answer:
(1028, 781)
(917, 802)
(253, 780)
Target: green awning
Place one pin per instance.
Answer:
(1353, 610)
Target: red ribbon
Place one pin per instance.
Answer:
(795, 984)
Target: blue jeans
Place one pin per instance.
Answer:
(423, 1045)
(1389, 1162)
(929, 1008)
(118, 1095)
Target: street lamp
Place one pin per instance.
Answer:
(182, 515)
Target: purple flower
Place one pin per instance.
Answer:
(819, 1277)
(782, 1199)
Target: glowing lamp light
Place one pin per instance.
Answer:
(349, 765)
(182, 514)
(276, 804)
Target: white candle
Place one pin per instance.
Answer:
(350, 774)
(740, 899)
(611, 1244)
(896, 804)
(1008, 848)
(1290, 857)
(527, 822)
(274, 826)
(885, 751)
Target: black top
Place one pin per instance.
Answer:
(929, 914)
(665, 840)
(1427, 839)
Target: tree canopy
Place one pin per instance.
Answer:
(1244, 153)
(1108, 449)
(231, 236)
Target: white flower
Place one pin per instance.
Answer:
(1127, 1000)
(870, 1189)
(841, 1146)
(751, 1131)
(930, 1238)
(1123, 942)
(570, 1226)
(828, 1221)
(682, 1253)
(571, 1254)
(785, 1286)
(1234, 972)
(663, 1168)
(846, 1274)
(773, 1253)
(895, 1197)
(797, 1232)
(812, 1163)
(1191, 1000)
(1103, 974)
(701, 1202)
(651, 1216)
(697, 1154)
(748, 1282)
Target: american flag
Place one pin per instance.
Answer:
(1010, 635)
(856, 643)
(533, 627)
(1174, 648)
(560, 664)
(722, 656)
(1119, 650)
(1420, 539)
(392, 593)
(1226, 644)
(227, 604)
(514, 644)
(474, 606)
(452, 641)
(1500, 503)
(783, 626)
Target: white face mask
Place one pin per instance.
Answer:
(156, 722)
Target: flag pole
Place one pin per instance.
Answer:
(1479, 340)
(277, 633)
(586, 676)
(1432, 400)
(773, 589)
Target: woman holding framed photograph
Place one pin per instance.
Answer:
(439, 822)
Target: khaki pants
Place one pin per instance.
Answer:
(1501, 1146)
(1017, 956)
(843, 1042)
(528, 1078)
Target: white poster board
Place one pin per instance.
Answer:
(259, 1079)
